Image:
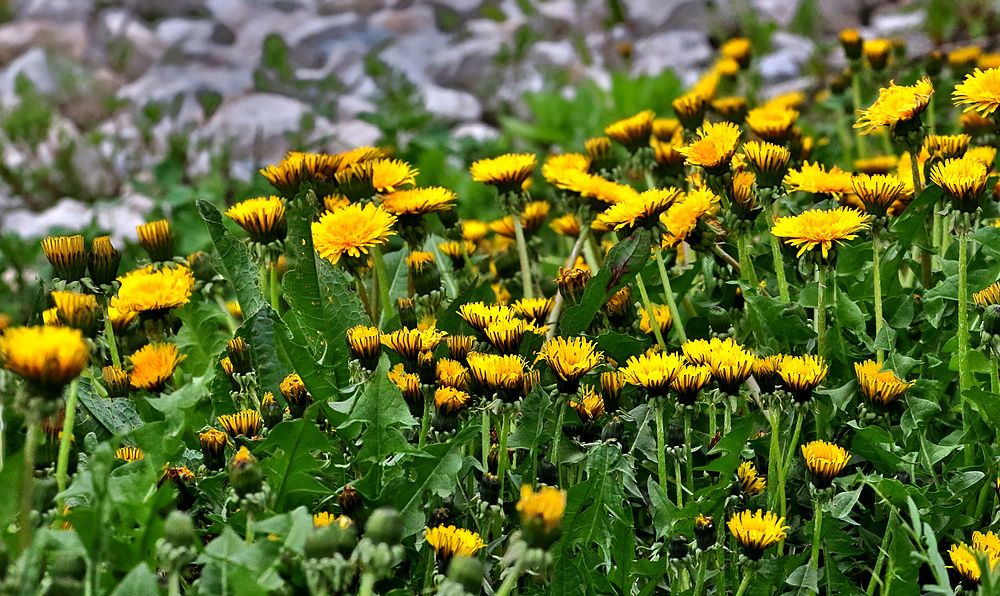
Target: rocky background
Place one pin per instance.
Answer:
(94, 94)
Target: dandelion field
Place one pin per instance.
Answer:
(742, 346)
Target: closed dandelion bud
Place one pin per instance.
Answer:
(459, 346)
(876, 52)
(157, 239)
(466, 572)
(351, 503)
(840, 82)
(719, 319)
(67, 255)
(245, 473)
(116, 381)
(322, 542)
(612, 383)
(67, 566)
(439, 517)
(295, 393)
(489, 489)
(103, 261)
(690, 109)
(200, 264)
(407, 313)
(262, 218)
(239, 355)
(424, 275)
(385, 526)
(851, 41)
(705, 534)
(571, 283)
(213, 448)
(678, 548)
(991, 319)
(824, 461)
(547, 473)
(178, 530)
(270, 410)
(612, 431)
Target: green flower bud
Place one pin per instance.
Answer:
(245, 473)
(385, 526)
(991, 319)
(719, 319)
(178, 529)
(467, 572)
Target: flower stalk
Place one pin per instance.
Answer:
(877, 282)
(779, 268)
(522, 255)
(649, 309)
(963, 331)
(275, 287)
(382, 280)
(661, 445)
(109, 337)
(28, 481)
(66, 438)
(668, 293)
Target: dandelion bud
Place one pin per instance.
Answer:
(466, 572)
(719, 319)
(103, 261)
(213, 448)
(424, 275)
(541, 515)
(183, 481)
(79, 311)
(876, 52)
(489, 489)
(705, 534)
(295, 393)
(326, 541)
(365, 344)
(991, 319)
(200, 264)
(178, 530)
(459, 346)
(245, 473)
(407, 313)
(851, 41)
(571, 283)
(67, 256)
(270, 410)
(824, 461)
(440, 517)
(262, 218)
(157, 240)
(239, 355)
(351, 503)
(116, 381)
(690, 109)
(385, 526)
(678, 548)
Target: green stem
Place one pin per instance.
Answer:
(680, 482)
(649, 309)
(485, 435)
(249, 534)
(747, 575)
(522, 254)
(28, 481)
(774, 455)
(367, 587)
(699, 578)
(383, 286)
(174, 585)
(66, 440)
(425, 420)
(817, 533)
(994, 375)
(877, 278)
(779, 268)
(557, 433)
(511, 580)
(230, 324)
(963, 331)
(262, 279)
(880, 560)
(688, 457)
(661, 446)
(786, 463)
(109, 336)
(275, 288)
(856, 97)
(720, 582)
(668, 293)
(502, 452)
(746, 261)
(359, 284)
(819, 318)
(915, 171)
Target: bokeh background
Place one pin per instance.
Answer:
(115, 112)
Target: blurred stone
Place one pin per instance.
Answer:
(37, 67)
(153, 10)
(682, 51)
(256, 126)
(133, 46)
(57, 10)
(791, 53)
(312, 42)
(185, 32)
(163, 83)
(349, 134)
(450, 105)
(351, 106)
(416, 18)
(476, 131)
(68, 215)
(69, 39)
(780, 11)
(464, 64)
(119, 218)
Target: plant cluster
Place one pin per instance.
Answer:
(737, 349)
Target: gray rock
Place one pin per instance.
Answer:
(349, 134)
(152, 10)
(185, 32)
(656, 16)
(780, 11)
(464, 64)
(790, 53)
(256, 126)
(163, 83)
(68, 39)
(351, 106)
(460, 6)
(36, 66)
(416, 56)
(451, 105)
(360, 7)
(559, 54)
(67, 214)
(476, 131)
(416, 18)
(682, 51)
(312, 42)
(120, 218)
(142, 47)
(56, 10)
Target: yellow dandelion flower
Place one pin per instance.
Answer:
(500, 373)
(643, 210)
(802, 374)
(963, 179)
(682, 218)
(823, 229)
(506, 172)
(566, 225)
(815, 178)
(895, 104)
(731, 364)
(452, 373)
(751, 483)
(690, 109)
(48, 357)
(877, 193)
(733, 108)
(772, 123)
(154, 291)
(876, 52)
(570, 359)
(738, 49)
(535, 309)
(985, 154)
(851, 41)
(153, 365)
(769, 161)
(541, 514)
(878, 386)
(479, 315)
(449, 541)
(365, 343)
(689, 382)
(129, 454)
(415, 202)
(665, 129)
(824, 461)
(632, 132)
(653, 372)
(879, 164)
(76, 310)
(157, 239)
(263, 218)
(380, 176)
(557, 165)
(714, 147)
(664, 319)
(67, 255)
(325, 518)
(988, 295)
(246, 423)
(352, 231)
(756, 531)
(450, 401)
(589, 405)
(947, 146)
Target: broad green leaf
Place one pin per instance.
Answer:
(110, 416)
(202, 336)
(292, 466)
(234, 261)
